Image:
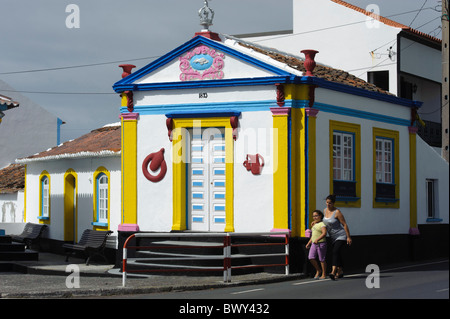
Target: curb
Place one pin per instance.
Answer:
(81, 293)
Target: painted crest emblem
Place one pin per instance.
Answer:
(202, 63)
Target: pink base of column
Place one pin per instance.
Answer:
(128, 227)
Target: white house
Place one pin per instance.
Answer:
(75, 185)
(395, 57)
(216, 106)
(222, 135)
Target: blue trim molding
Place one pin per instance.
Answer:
(195, 114)
(198, 40)
(280, 76)
(361, 114)
(235, 108)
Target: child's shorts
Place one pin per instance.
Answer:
(319, 249)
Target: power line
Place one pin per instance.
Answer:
(155, 57)
(418, 12)
(76, 66)
(428, 22)
(60, 93)
(337, 26)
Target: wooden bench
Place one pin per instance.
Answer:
(30, 234)
(92, 242)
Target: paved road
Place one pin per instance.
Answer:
(420, 281)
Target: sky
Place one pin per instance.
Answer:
(34, 36)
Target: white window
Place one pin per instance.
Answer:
(431, 198)
(384, 160)
(45, 197)
(102, 198)
(343, 159)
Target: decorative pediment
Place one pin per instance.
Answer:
(197, 63)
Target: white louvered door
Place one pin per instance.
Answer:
(206, 180)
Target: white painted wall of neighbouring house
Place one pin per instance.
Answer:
(84, 168)
(12, 207)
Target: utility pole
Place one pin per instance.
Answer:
(445, 66)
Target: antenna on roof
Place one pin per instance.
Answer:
(206, 15)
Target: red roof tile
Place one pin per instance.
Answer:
(12, 178)
(387, 21)
(321, 71)
(105, 140)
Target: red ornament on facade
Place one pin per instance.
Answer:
(156, 161)
(126, 69)
(310, 63)
(254, 163)
(280, 94)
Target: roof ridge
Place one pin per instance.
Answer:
(104, 141)
(386, 21)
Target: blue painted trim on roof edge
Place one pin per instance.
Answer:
(198, 40)
(344, 88)
(281, 76)
(271, 80)
(361, 114)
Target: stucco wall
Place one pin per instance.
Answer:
(84, 168)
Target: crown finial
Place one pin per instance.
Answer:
(206, 15)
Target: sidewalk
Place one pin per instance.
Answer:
(47, 277)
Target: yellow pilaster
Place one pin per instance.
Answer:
(296, 170)
(300, 163)
(179, 179)
(129, 166)
(311, 115)
(280, 166)
(296, 177)
(296, 92)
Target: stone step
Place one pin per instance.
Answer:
(5, 239)
(12, 247)
(19, 255)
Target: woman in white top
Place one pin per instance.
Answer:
(339, 233)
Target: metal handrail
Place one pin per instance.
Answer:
(226, 246)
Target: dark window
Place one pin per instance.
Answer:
(344, 188)
(386, 191)
(380, 79)
(430, 198)
(406, 89)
